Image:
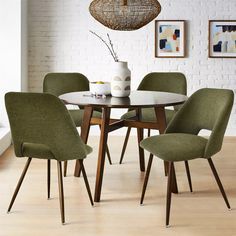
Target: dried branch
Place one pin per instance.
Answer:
(111, 50)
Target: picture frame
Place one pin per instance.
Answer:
(222, 39)
(170, 38)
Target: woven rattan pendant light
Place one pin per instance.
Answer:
(124, 14)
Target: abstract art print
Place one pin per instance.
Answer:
(222, 38)
(169, 38)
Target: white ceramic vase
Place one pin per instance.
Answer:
(120, 84)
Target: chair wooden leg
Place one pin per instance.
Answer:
(140, 138)
(108, 155)
(19, 184)
(141, 150)
(218, 182)
(169, 191)
(149, 133)
(61, 191)
(174, 181)
(188, 175)
(49, 177)
(146, 178)
(125, 144)
(65, 168)
(86, 182)
(166, 168)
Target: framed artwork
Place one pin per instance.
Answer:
(169, 38)
(222, 38)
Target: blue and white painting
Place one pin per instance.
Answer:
(223, 39)
(170, 39)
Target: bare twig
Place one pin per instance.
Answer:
(111, 50)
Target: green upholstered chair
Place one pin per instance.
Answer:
(206, 109)
(174, 82)
(42, 127)
(60, 83)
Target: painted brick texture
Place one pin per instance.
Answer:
(59, 41)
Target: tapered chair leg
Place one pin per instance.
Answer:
(169, 191)
(146, 178)
(109, 155)
(218, 182)
(61, 191)
(65, 168)
(49, 177)
(19, 184)
(149, 133)
(188, 175)
(86, 181)
(141, 150)
(125, 144)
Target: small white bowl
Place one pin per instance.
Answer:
(100, 89)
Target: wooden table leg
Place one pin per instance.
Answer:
(102, 152)
(140, 138)
(88, 112)
(161, 119)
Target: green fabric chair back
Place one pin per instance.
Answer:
(40, 118)
(60, 83)
(172, 82)
(206, 109)
(165, 82)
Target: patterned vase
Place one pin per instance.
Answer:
(120, 84)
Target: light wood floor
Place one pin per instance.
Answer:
(119, 213)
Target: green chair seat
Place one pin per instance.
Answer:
(42, 151)
(148, 115)
(172, 82)
(175, 147)
(36, 150)
(47, 127)
(206, 109)
(41, 127)
(77, 116)
(60, 83)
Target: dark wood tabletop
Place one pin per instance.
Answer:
(136, 99)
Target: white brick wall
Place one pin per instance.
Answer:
(59, 40)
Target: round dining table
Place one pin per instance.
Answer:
(136, 101)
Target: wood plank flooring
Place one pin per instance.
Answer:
(202, 212)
